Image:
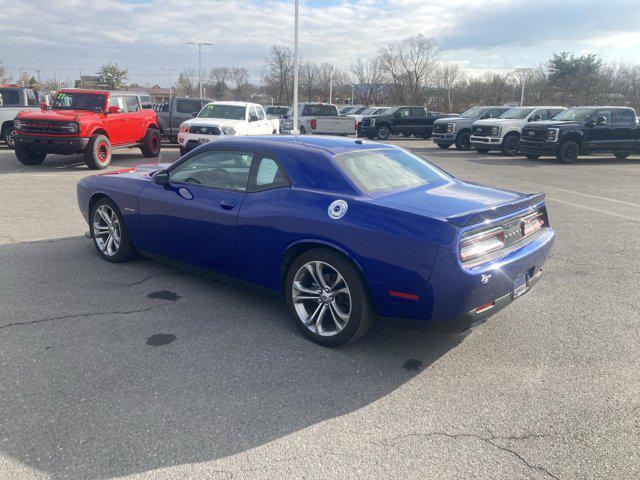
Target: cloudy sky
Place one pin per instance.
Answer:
(59, 37)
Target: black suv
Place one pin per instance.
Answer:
(581, 131)
(411, 120)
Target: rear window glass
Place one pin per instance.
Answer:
(320, 111)
(9, 97)
(188, 106)
(387, 169)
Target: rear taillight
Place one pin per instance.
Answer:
(532, 224)
(314, 123)
(355, 125)
(480, 244)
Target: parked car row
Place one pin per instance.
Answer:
(542, 131)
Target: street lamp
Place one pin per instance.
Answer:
(523, 77)
(170, 84)
(295, 72)
(199, 44)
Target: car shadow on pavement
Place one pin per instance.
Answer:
(109, 370)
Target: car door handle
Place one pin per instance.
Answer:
(227, 205)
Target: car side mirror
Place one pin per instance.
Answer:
(161, 178)
(253, 118)
(536, 118)
(113, 109)
(601, 121)
(44, 106)
(488, 115)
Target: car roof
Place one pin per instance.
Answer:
(327, 144)
(229, 102)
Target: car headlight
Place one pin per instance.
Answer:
(18, 124)
(450, 127)
(228, 130)
(553, 134)
(72, 127)
(495, 131)
(184, 127)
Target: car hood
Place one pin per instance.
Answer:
(499, 121)
(214, 122)
(56, 115)
(456, 120)
(450, 198)
(554, 123)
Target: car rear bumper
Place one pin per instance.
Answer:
(366, 131)
(486, 143)
(532, 147)
(52, 144)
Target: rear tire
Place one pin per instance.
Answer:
(463, 141)
(349, 297)
(568, 152)
(151, 143)
(621, 156)
(511, 145)
(29, 157)
(303, 131)
(532, 157)
(482, 151)
(97, 153)
(444, 146)
(383, 133)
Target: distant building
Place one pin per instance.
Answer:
(157, 93)
(92, 82)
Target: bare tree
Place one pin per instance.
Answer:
(186, 85)
(370, 77)
(277, 74)
(240, 81)
(4, 76)
(448, 77)
(219, 78)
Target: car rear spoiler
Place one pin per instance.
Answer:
(500, 210)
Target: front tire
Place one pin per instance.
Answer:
(327, 298)
(108, 231)
(303, 131)
(568, 152)
(151, 143)
(443, 146)
(482, 151)
(511, 145)
(383, 133)
(29, 157)
(9, 137)
(463, 141)
(97, 153)
(621, 156)
(532, 157)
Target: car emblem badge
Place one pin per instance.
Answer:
(337, 209)
(485, 278)
(531, 134)
(203, 130)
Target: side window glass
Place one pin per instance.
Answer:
(146, 102)
(221, 169)
(404, 112)
(261, 114)
(253, 113)
(625, 116)
(608, 114)
(187, 106)
(417, 112)
(117, 102)
(132, 104)
(269, 175)
(31, 98)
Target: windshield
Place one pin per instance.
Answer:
(380, 111)
(387, 169)
(574, 114)
(368, 111)
(517, 113)
(350, 110)
(473, 112)
(217, 110)
(79, 101)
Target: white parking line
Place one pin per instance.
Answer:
(548, 187)
(594, 209)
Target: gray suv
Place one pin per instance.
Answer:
(457, 130)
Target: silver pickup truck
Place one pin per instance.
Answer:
(457, 130)
(14, 100)
(319, 119)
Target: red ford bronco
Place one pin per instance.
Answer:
(91, 122)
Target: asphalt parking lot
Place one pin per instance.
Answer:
(141, 370)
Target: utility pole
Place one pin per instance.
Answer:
(353, 92)
(171, 84)
(522, 75)
(199, 44)
(331, 86)
(295, 72)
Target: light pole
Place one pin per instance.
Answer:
(170, 84)
(199, 44)
(331, 86)
(523, 77)
(353, 92)
(295, 72)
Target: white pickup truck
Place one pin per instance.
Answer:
(320, 119)
(503, 133)
(225, 118)
(14, 100)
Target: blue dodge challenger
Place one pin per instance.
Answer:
(348, 230)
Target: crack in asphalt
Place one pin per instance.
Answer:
(84, 315)
(491, 440)
(149, 277)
